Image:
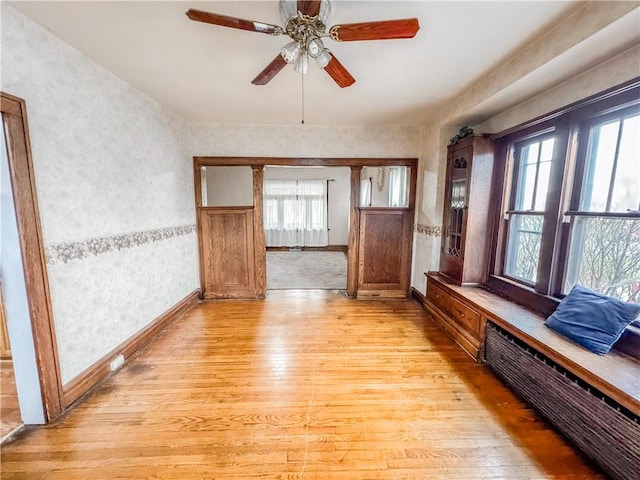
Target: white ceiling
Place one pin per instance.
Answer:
(203, 72)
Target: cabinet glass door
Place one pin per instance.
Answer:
(455, 207)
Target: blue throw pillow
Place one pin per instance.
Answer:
(591, 319)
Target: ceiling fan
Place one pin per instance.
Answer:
(306, 24)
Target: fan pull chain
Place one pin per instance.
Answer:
(302, 102)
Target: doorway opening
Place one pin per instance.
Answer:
(232, 239)
(306, 225)
(25, 286)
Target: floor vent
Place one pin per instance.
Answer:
(598, 425)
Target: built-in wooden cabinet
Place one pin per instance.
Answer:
(454, 314)
(464, 254)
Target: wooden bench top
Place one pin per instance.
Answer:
(614, 374)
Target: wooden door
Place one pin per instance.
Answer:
(384, 264)
(228, 258)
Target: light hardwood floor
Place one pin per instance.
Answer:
(304, 384)
(9, 410)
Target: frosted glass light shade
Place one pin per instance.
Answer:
(288, 9)
(290, 52)
(301, 64)
(315, 47)
(323, 58)
(325, 11)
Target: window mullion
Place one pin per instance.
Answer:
(552, 216)
(577, 146)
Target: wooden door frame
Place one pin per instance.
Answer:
(14, 114)
(258, 164)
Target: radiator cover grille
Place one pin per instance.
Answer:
(599, 426)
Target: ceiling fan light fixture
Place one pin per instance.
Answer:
(323, 58)
(306, 22)
(301, 65)
(290, 52)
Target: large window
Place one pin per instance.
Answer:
(533, 160)
(571, 203)
(604, 251)
(295, 213)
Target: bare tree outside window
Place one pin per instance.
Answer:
(605, 246)
(606, 257)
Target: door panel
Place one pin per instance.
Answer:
(385, 252)
(228, 252)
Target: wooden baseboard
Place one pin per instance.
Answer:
(84, 383)
(328, 248)
(417, 296)
(382, 294)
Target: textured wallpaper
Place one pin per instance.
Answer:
(305, 141)
(115, 189)
(101, 300)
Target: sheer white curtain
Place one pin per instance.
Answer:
(365, 192)
(295, 213)
(398, 187)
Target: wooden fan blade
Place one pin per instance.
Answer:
(232, 22)
(270, 71)
(340, 74)
(383, 30)
(309, 8)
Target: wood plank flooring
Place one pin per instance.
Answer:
(9, 410)
(302, 385)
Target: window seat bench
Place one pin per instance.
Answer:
(594, 400)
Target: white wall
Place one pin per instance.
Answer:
(115, 190)
(229, 186)
(339, 194)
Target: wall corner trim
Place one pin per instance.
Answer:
(82, 385)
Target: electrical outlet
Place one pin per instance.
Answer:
(117, 362)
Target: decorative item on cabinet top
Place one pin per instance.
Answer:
(463, 133)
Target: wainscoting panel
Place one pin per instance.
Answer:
(228, 252)
(385, 252)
